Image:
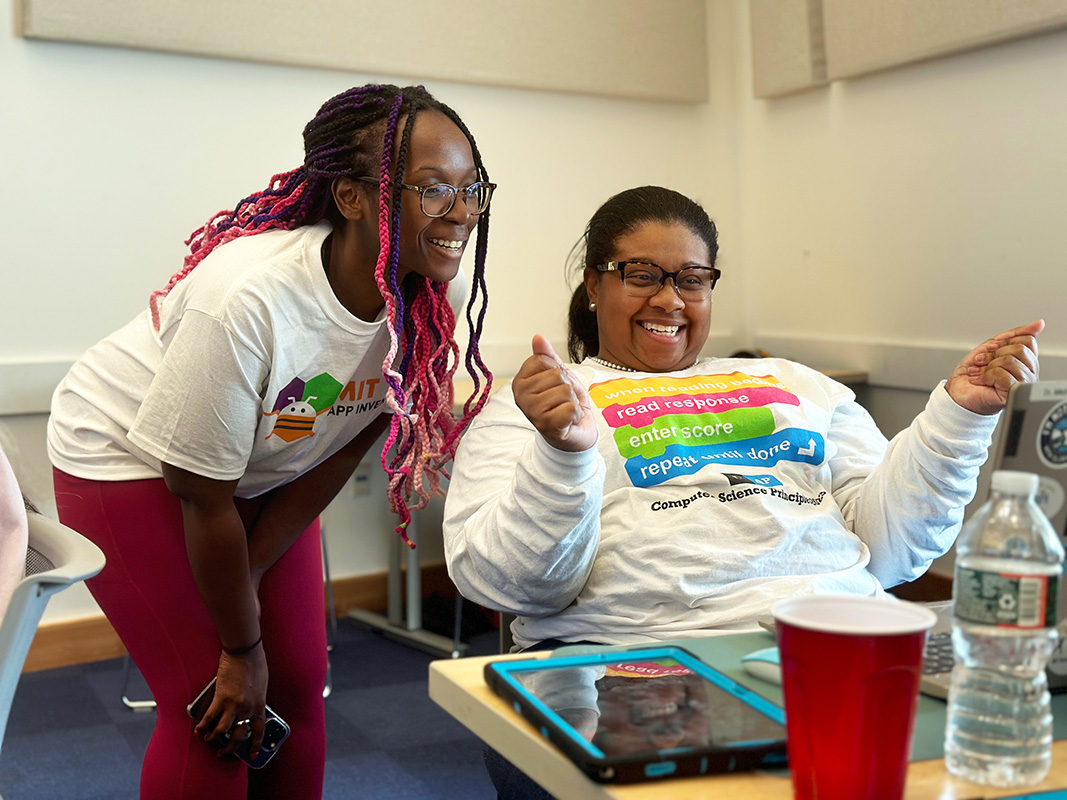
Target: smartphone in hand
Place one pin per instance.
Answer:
(276, 731)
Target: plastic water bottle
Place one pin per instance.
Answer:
(1006, 597)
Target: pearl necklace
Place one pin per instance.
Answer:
(609, 364)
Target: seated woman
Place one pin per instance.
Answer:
(645, 493)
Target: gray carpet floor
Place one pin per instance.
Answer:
(70, 736)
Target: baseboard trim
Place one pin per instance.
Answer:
(60, 644)
(26, 387)
(80, 641)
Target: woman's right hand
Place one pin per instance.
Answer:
(217, 543)
(240, 694)
(554, 400)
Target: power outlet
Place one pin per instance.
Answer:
(361, 480)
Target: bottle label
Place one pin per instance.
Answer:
(1004, 599)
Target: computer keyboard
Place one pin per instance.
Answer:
(938, 661)
(937, 665)
(938, 653)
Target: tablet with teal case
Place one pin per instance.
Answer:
(635, 715)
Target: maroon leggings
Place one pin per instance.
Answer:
(148, 593)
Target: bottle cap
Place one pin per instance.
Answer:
(1010, 482)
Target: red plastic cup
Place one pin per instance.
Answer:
(850, 675)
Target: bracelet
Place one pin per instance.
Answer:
(240, 651)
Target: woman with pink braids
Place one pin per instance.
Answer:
(198, 444)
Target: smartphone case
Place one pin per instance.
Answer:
(501, 676)
(274, 734)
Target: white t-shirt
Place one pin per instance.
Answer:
(257, 372)
(711, 493)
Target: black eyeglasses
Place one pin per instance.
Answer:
(645, 279)
(437, 199)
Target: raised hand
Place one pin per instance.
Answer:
(981, 381)
(554, 400)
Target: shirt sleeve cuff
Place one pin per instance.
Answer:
(563, 466)
(958, 423)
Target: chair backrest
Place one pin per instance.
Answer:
(57, 557)
(506, 640)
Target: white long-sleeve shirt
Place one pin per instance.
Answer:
(712, 492)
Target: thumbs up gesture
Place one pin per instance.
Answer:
(554, 400)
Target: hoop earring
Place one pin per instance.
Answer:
(592, 306)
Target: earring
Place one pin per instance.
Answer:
(592, 306)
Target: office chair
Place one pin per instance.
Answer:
(57, 557)
(134, 705)
(506, 640)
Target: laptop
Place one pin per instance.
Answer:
(1032, 437)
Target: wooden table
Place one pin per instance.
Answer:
(458, 687)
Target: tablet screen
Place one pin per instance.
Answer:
(634, 704)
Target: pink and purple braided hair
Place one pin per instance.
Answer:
(354, 134)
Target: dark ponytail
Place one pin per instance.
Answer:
(583, 338)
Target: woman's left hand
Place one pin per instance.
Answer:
(980, 383)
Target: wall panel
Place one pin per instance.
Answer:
(788, 54)
(803, 44)
(867, 35)
(649, 49)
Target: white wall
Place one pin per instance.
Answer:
(889, 223)
(894, 221)
(112, 157)
(900, 218)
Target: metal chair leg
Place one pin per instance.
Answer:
(331, 630)
(457, 629)
(133, 705)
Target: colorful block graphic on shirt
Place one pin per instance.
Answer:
(299, 405)
(667, 427)
(697, 429)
